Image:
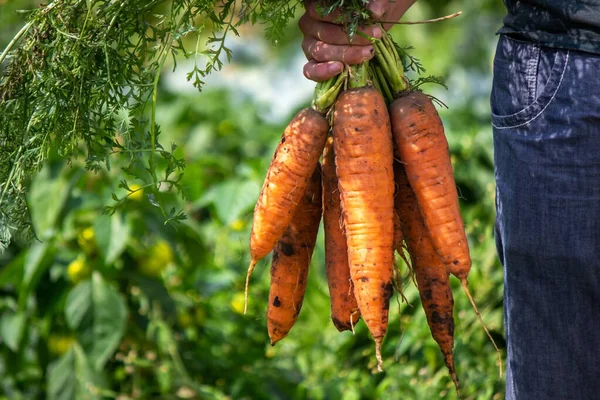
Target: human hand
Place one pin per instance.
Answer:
(326, 45)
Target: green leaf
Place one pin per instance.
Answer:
(72, 377)
(48, 194)
(12, 329)
(231, 199)
(112, 232)
(97, 314)
(12, 274)
(37, 261)
(62, 381)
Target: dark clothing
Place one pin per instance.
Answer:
(566, 24)
(546, 120)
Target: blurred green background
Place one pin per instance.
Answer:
(126, 307)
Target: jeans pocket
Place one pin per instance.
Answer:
(526, 79)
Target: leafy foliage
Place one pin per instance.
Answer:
(81, 79)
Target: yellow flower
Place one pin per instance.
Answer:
(237, 303)
(270, 352)
(86, 239)
(162, 251)
(137, 192)
(59, 344)
(78, 269)
(238, 225)
(159, 256)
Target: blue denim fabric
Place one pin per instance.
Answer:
(546, 122)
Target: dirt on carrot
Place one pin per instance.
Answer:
(432, 276)
(288, 176)
(422, 146)
(344, 309)
(291, 260)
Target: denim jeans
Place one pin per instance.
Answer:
(546, 122)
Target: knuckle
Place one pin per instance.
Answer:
(348, 55)
(355, 55)
(303, 22)
(318, 51)
(306, 47)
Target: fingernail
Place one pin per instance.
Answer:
(334, 68)
(377, 32)
(376, 9)
(368, 52)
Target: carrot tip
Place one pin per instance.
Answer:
(465, 286)
(250, 269)
(378, 354)
(449, 361)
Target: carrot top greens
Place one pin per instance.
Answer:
(80, 81)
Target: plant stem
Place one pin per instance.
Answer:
(390, 64)
(14, 40)
(384, 87)
(326, 92)
(358, 75)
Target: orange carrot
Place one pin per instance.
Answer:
(287, 178)
(291, 259)
(423, 148)
(429, 269)
(363, 157)
(344, 310)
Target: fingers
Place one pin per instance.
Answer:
(334, 34)
(320, 51)
(327, 46)
(316, 71)
(388, 10)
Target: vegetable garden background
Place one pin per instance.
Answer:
(133, 286)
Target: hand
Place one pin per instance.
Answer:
(326, 45)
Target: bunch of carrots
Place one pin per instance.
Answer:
(369, 158)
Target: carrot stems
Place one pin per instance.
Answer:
(391, 46)
(358, 75)
(326, 92)
(383, 86)
(391, 66)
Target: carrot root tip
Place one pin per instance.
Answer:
(352, 323)
(465, 286)
(378, 354)
(250, 269)
(449, 361)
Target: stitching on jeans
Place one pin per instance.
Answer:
(531, 75)
(562, 75)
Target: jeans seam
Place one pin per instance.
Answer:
(546, 105)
